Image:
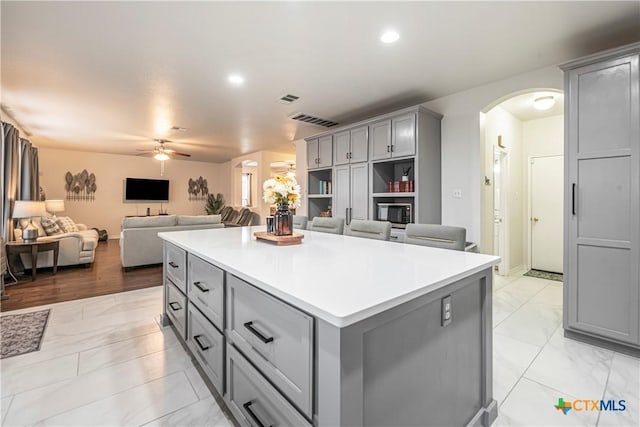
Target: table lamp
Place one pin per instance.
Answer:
(54, 206)
(28, 209)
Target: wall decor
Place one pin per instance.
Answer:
(198, 189)
(81, 186)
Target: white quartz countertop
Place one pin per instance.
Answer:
(339, 279)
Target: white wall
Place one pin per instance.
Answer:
(500, 122)
(461, 137)
(542, 137)
(108, 208)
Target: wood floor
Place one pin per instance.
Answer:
(105, 276)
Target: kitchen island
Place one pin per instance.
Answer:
(337, 331)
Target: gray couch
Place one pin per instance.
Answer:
(139, 241)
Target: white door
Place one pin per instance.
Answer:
(546, 213)
(500, 217)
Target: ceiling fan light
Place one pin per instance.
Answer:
(161, 156)
(544, 103)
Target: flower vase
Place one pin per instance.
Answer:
(283, 221)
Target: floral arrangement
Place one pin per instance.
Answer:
(281, 189)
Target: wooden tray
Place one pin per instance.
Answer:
(294, 239)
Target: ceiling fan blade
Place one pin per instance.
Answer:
(175, 153)
(145, 154)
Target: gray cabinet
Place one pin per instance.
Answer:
(351, 192)
(351, 146)
(176, 308)
(253, 400)
(602, 196)
(206, 289)
(394, 138)
(176, 266)
(207, 345)
(275, 337)
(320, 152)
(383, 147)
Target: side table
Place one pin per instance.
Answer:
(33, 248)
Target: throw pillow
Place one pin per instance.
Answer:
(51, 227)
(66, 224)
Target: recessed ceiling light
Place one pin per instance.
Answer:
(389, 37)
(236, 79)
(544, 103)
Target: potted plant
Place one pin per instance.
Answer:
(214, 204)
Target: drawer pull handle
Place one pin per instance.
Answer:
(200, 287)
(202, 347)
(173, 306)
(173, 264)
(254, 417)
(249, 326)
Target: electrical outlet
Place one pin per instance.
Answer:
(446, 310)
(457, 193)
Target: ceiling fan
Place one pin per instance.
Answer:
(160, 152)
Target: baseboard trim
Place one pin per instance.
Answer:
(600, 342)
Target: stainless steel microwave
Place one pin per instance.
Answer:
(398, 214)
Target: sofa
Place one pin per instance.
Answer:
(76, 247)
(139, 241)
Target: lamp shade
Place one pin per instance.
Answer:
(28, 208)
(54, 205)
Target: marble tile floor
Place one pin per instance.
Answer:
(102, 357)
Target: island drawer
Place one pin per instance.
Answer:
(175, 264)
(176, 308)
(253, 400)
(275, 337)
(207, 345)
(206, 289)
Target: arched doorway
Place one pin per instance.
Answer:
(521, 147)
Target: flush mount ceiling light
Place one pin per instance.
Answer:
(161, 156)
(389, 37)
(235, 79)
(544, 103)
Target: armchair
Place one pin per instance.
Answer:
(76, 247)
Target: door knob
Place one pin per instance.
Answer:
(534, 219)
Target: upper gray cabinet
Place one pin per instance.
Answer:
(351, 146)
(403, 135)
(602, 196)
(312, 153)
(320, 152)
(394, 138)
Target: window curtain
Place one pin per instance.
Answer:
(29, 180)
(19, 177)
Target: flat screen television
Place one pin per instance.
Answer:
(145, 190)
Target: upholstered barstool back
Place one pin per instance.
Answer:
(245, 217)
(300, 221)
(327, 225)
(437, 236)
(378, 230)
(226, 213)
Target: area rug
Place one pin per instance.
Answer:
(539, 274)
(22, 333)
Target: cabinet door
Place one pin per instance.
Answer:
(341, 152)
(403, 137)
(340, 191)
(325, 151)
(359, 191)
(359, 145)
(312, 154)
(380, 140)
(602, 199)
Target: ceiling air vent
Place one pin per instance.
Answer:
(288, 98)
(301, 117)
